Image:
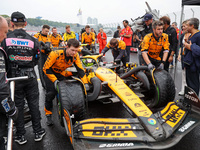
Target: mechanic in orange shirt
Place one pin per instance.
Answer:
(126, 36)
(55, 70)
(102, 40)
(56, 38)
(153, 44)
(88, 38)
(118, 50)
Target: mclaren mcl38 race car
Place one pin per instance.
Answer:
(156, 122)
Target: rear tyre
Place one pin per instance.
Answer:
(71, 97)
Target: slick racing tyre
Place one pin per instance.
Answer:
(72, 98)
(162, 92)
(40, 70)
(95, 91)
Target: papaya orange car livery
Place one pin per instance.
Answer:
(58, 62)
(88, 38)
(153, 47)
(56, 40)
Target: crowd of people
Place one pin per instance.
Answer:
(19, 53)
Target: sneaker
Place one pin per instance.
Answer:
(181, 93)
(49, 120)
(39, 135)
(20, 139)
(171, 66)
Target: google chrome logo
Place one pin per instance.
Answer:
(152, 121)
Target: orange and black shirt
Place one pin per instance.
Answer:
(58, 62)
(88, 38)
(56, 40)
(154, 46)
(43, 38)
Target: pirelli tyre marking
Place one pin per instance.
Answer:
(115, 145)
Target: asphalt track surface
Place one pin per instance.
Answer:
(56, 138)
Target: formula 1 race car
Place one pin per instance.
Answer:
(159, 130)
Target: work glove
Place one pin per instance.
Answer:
(14, 115)
(87, 87)
(9, 108)
(161, 67)
(151, 66)
(56, 85)
(47, 47)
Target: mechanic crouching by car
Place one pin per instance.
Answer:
(118, 50)
(55, 70)
(153, 44)
(7, 106)
(22, 50)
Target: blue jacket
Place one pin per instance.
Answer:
(192, 58)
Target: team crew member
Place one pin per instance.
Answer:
(7, 106)
(118, 50)
(147, 24)
(68, 34)
(102, 40)
(126, 35)
(43, 35)
(152, 46)
(171, 32)
(55, 69)
(191, 57)
(56, 38)
(88, 38)
(22, 50)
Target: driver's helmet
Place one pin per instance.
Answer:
(87, 62)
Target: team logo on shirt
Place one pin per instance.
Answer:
(19, 42)
(22, 58)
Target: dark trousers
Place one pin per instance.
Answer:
(3, 130)
(29, 89)
(50, 91)
(192, 79)
(128, 53)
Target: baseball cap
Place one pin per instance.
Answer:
(147, 17)
(18, 17)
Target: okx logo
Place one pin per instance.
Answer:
(22, 58)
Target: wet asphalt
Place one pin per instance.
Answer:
(56, 138)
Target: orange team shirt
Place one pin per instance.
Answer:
(127, 31)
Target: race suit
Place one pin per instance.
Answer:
(23, 51)
(102, 42)
(56, 40)
(7, 106)
(88, 38)
(119, 52)
(55, 69)
(68, 36)
(153, 47)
